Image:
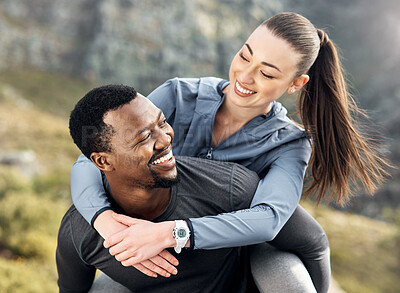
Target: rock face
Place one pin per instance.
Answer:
(26, 161)
(128, 41)
(145, 42)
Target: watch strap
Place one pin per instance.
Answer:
(181, 233)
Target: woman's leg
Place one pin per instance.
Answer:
(104, 284)
(303, 236)
(276, 271)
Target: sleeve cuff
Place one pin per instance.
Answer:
(98, 213)
(191, 239)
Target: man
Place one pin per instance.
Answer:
(128, 139)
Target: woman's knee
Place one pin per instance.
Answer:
(278, 271)
(315, 247)
(302, 234)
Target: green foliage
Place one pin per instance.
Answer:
(54, 185)
(11, 180)
(29, 224)
(394, 215)
(27, 276)
(364, 252)
(55, 93)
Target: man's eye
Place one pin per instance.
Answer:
(146, 137)
(163, 123)
(242, 56)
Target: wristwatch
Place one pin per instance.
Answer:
(181, 234)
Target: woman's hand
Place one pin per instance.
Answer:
(163, 264)
(143, 244)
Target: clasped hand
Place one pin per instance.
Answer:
(142, 245)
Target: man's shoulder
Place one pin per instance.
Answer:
(193, 164)
(216, 178)
(79, 231)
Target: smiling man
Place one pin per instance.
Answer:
(129, 140)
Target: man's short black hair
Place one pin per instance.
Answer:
(86, 124)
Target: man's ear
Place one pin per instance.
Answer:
(102, 161)
(298, 83)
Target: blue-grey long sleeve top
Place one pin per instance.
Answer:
(270, 144)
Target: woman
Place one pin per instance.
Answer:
(241, 121)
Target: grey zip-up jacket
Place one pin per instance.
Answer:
(270, 144)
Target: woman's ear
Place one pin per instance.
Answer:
(102, 161)
(298, 83)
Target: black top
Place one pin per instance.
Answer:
(205, 188)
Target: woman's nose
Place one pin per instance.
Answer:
(247, 75)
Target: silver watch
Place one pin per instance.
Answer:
(181, 234)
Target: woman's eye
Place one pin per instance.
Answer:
(266, 75)
(242, 56)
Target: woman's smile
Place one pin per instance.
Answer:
(243, 91)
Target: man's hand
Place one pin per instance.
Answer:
(163, 264)
(143, 244)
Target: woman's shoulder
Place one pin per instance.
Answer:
(276, 124)
(194, 84)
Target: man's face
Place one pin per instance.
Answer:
(142, 145)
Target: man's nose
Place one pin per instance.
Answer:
(164, 139)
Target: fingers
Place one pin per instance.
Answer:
(164, 264)
(150, 268)
(114, 239)
(169, 257)
(126, 220)
(164, 260)
(118, 249)
(141, 268)
(123, 256)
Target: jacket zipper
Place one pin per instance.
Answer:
(209, 154)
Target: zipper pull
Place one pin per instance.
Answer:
(209, 154)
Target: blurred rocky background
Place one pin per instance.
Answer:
(53, 51)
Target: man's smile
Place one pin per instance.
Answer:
(166, 160)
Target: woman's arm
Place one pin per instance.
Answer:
(87, 188)
(274, 201)
(88, 192)
(301, 234)
(90, 199)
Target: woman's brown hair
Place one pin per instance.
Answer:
(340, 152)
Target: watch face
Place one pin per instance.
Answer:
(181, 233)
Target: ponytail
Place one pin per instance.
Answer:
(340, 152)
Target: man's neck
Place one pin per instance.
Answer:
(139, 202)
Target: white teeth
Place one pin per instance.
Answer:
(163, 159)
(242, 90)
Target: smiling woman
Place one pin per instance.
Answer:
(240, 121)
(255, 72)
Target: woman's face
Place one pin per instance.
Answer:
(262, 70)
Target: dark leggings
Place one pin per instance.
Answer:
(304, 236)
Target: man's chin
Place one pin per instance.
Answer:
(165, 182)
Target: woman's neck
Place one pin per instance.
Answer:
(231, 118)
(239, 115)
